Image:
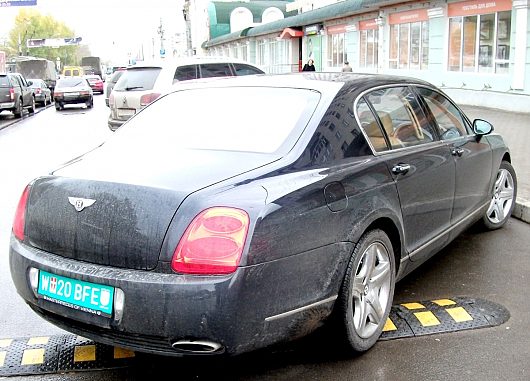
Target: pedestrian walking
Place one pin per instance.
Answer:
(309, 66)
(347, 66)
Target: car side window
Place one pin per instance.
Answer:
(242, 69)
(16, 81)
(371, 127)
(449, 120)
(184, 73)
(215, 70)
(401, 117)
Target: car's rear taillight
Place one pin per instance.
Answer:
(20, 215)
(84, 92)
(213, 242)
(148, 98)
(38, 90)
(12, 94)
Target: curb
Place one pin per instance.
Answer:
(522, 210)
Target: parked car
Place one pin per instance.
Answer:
(142, 84)
(270, 206)
(111, 82)
(95, 83)
(73, 90)
(43, 94)
(16, 94)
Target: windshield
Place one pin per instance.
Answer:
(138, 79)
(233, 119)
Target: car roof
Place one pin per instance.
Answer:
(188, 61)
(313, 80)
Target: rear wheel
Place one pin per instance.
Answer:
(19, 110)
(32, 106)
(503, 198)
(367, 291)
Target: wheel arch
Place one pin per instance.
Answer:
(390, 228)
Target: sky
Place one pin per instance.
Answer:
(113, 29)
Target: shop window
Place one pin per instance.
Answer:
(409, 46)
(480, 43)
(368, 48)
(336, 50)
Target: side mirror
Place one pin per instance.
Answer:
(482, 127)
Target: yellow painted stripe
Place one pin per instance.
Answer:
(33, 356)
(389, 326)
(85, 353)
(413, 306)
(38, 340)
(121, 353)
(2, 358)
(444, 302)
(5, 343)
(459, 314)
(427, 318)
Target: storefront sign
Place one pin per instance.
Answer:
(368, 24)
(478, 7)
(409, 16)
(336, 29)
(312, 29)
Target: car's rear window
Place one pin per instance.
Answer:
(138, 79)
(4, 82)
(248, 119)
(71, 82)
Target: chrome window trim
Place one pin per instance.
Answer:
(431, 144)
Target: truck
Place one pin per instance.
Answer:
(92, 65)
(41, 68)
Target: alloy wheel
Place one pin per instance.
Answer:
(371, 289)
(503, 195)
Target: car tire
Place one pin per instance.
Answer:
(19, 110)
(57, 106)
(367, 292)
(90, 104)
(504, 194)
(32, 107)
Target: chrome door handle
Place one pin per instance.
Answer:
(400, 169)
(457, 152)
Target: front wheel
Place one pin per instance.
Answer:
(503, 198)
(367, 291)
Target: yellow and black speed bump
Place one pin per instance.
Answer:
(71, 353)
(57, 354)
(442, 315)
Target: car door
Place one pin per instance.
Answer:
(422, 167)
(472, 156)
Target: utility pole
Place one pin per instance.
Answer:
(161, 33)
(187, 18)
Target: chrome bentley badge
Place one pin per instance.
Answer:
(80, 203)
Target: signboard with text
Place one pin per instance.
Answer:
(17, 3)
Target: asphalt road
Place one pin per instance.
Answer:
(492, 266)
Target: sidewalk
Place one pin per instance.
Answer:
(515, 128)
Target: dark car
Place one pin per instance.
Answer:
(111, 82)
(43, 94)
(73, 90)
(16, 94)
(270, 205)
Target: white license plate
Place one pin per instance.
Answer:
(126, 112)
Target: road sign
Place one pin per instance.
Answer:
(53, 42)
(17, 3)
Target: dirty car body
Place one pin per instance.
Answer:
(230, 230)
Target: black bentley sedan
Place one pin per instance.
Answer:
(234, 214)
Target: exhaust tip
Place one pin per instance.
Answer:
(196, 346)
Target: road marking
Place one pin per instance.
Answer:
(413, 306)
(459, 314)
(444, 302)
(41, 340)
(389, 326)
(85, 353)
(33, 356)
(427, 318)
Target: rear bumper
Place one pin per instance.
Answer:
(114, 124)
(7, 106)
(241, 312)
(79, 99)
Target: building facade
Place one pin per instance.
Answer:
(478, 51)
